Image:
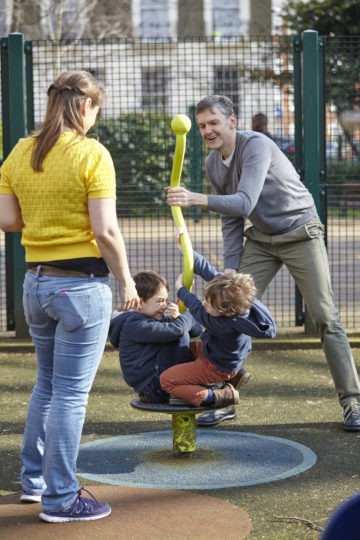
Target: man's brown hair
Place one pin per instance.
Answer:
(231, 294)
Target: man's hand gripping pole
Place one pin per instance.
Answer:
(180, 125)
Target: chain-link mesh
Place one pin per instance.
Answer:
(342, 149)
(150, 82)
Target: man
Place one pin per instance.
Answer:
(253, 178)
(259, 123)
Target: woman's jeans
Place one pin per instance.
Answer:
(68, 320)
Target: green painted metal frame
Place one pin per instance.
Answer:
(194, 151)
(14, 127)
(297, 56)
(310, 145)
(9, 261)
(311, 108)
(309, 98)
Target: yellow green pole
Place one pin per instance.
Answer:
(180, 125)
(184, 432)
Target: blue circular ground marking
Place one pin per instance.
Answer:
(222, 459)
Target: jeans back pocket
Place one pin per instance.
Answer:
(70, 309)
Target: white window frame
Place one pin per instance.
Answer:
(171, 23)
(244, 17)
(156, 99)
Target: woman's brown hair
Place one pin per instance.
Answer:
(66, 97)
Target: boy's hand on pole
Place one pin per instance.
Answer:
(172, 310)
(179, 282)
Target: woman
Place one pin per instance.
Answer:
(58, 188)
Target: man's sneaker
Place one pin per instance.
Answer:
(352, 417)
(226, 396)
(27, 497)
(241, 377)
(82, 509)
(212, 418)
(174, 400)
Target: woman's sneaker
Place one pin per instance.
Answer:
(27, 497)
(82, 509)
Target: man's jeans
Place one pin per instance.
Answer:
(68, 320)
(303, 252)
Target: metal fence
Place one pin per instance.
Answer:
(149, 83)
(3, 325)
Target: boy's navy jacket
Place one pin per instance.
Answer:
(139, 339)
(226, 340)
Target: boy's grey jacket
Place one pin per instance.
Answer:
(227, 340)
(139, 339)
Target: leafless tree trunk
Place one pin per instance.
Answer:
(69, 19)
(6, 12)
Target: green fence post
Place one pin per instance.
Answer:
(16, 127)
(298, 117)
(195, 163)
(311, 108)
(9, 261)
(30, 121)
(322, 119)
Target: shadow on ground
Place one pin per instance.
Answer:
(290, 395)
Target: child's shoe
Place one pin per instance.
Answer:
(226, 396)
(241, 377)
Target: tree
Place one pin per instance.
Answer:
(110, 19)
(6, 11)
(337, 22)
(66, 19)
(328, 17)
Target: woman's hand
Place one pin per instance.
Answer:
(111, 244)
(129, 298)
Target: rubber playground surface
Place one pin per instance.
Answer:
(276, 471)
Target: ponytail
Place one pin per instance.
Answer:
(66, 97)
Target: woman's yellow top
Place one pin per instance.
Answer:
(54, 202)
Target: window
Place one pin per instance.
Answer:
(154, 19)
(226, 18)
(226, 82)
(155, 87)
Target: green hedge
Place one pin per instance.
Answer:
(142, 146)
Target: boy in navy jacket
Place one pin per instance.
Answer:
(230, 315)
(150, 341)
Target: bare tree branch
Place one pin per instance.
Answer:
(311, 524)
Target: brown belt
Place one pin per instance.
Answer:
(59, 272)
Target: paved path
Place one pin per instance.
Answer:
(136, 514)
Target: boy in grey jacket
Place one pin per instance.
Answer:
(149, 340)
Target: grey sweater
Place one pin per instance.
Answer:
(260, 184)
